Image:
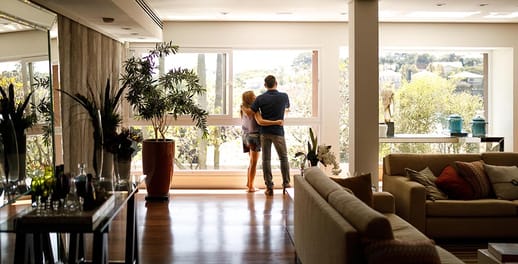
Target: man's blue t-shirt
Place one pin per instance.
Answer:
(272, 105)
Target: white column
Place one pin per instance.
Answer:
(363, 82)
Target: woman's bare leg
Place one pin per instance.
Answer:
(252, 168)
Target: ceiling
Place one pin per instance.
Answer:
(336, 10)
(130, 25)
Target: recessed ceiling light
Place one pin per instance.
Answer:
(502, 15)
(224, 13)
(343, 13)
(440, 4)
(126, 28)
(108, 19)
(483, 4)
(134, 33)
(440, 15)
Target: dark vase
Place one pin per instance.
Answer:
(390, 129)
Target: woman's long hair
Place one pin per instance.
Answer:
(247, 99)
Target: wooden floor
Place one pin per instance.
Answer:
(207, 226)
(216, 226)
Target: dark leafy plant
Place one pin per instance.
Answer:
(104, 115)
(173, 93)
(128, 143)
(12, 129)
(16, 111)
(311, 155)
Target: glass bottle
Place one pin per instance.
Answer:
(81, 182)
(72, 199)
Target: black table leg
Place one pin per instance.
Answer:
(47, 248)
(23, 246)
(131, 233)
(76, 248)
(100, 248)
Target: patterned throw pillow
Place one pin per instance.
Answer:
(360, 185)
(427, 179)
(475, 175)
(504, 180)
(401, 252)
(454, 185)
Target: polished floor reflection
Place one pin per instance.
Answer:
(216, 227)
(205, 226)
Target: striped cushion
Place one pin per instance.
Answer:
(475, 175)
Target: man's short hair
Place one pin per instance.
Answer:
(270, 81)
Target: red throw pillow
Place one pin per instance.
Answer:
(454, 185)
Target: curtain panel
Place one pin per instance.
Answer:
(87, 59)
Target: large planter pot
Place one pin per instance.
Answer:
(157, 165)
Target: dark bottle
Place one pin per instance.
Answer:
(90, 201)
(80, 180)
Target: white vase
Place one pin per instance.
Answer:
(382, 130)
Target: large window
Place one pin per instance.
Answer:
(427, 87)
(226, 74)
(211, 69)
(292, 68)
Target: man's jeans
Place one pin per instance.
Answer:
(280, 147)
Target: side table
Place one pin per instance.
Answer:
(27, 230)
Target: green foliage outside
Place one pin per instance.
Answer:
(422, 103)
(423, 107)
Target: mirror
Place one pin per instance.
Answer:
(25, 78)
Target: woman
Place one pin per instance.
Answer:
(250, 122)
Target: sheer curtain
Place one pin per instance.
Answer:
(87, 59)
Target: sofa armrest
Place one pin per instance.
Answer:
(383, 202)
(410, 199)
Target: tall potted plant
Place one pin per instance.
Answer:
(157, 100)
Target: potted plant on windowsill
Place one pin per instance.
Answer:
(157, 100)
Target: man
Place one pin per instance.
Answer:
(272, 105)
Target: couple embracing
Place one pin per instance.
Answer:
(262, 123)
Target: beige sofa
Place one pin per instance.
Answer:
(330, 223)
(482, 218)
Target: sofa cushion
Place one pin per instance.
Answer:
(401, 252)
(456, 187)
(320, 181)
(500, 158)
(403, 230)
(504, 180)
(471, 208)
(427, 179)
(360, 185)
(367, 221)
(475, 175)
(395, 163)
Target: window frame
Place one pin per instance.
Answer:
(228, 118)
